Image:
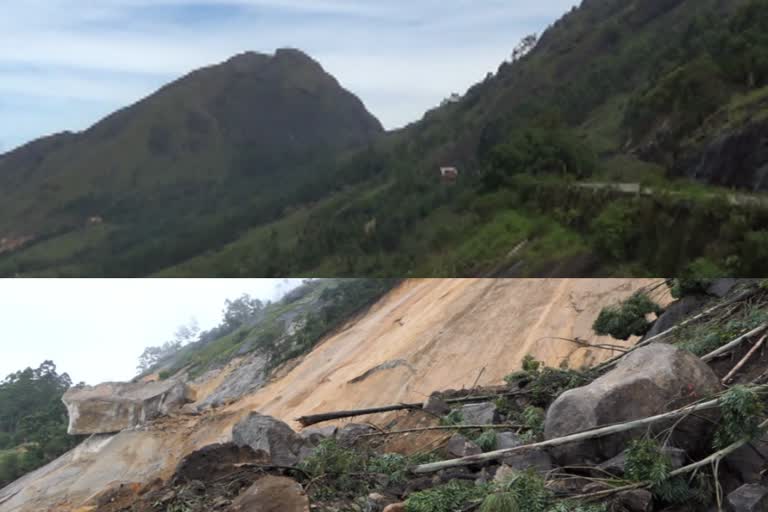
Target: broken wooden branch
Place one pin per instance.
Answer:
(445, 427)
(744, 360)
(313, 419)
(733, 344)
(580, 436)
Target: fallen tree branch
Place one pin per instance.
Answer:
(580, 436)
(733, 344)
(444, 427)
(744, 360)
(714, 458)
(313, 419)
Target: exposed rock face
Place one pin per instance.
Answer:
(649, 381)
(245, 379)
(272, 494)
(270, 436)
(112, 407)
(738, 158)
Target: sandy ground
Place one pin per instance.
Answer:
(424, 336)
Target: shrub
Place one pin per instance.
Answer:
(452, 418)
(338, 468)
(165, 374)
(486, 440)
(696, 278)
(742, 412)
(627, 318)
(452, 496)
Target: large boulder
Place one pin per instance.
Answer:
(649, 381)
(112, 407)
(270, 436)
(272, 494)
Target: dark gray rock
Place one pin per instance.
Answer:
(646, 382)
(269, 435)
(748, 462)
(348, 435)
(436, 405)
(460, 446)
(538, 460)
(748, 498)
(638, 500)
(722, 287)
(479, 414)
(506, 440)
(315, 435)
(676, 313)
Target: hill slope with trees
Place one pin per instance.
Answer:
(666, 95)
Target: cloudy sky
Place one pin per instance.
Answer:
(64, 64)
(95, 330)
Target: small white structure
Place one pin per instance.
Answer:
(449, 174)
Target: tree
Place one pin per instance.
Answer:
(237, 311)
(524, 47)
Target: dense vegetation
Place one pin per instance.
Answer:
(33, 420)
(613, 92)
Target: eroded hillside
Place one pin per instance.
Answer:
(425, 335)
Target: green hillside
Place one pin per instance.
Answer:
(665, 96)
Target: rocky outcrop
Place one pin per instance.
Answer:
(270, 436)
(247, 378)
(735, 159)
(112, 407)
(646, 382)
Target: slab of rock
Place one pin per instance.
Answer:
(113, 407)
(748, 462)
(272, 494)
(638, 500)
(460, 446)
(649, 381)
(479, 414)
(748, 498)
(270, 436)
(350, 434)
(436, 405)
(676, 313)
(538, 460)
(506, 440)
(315, 435)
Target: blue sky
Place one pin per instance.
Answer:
(64, 64)
(96, 329)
